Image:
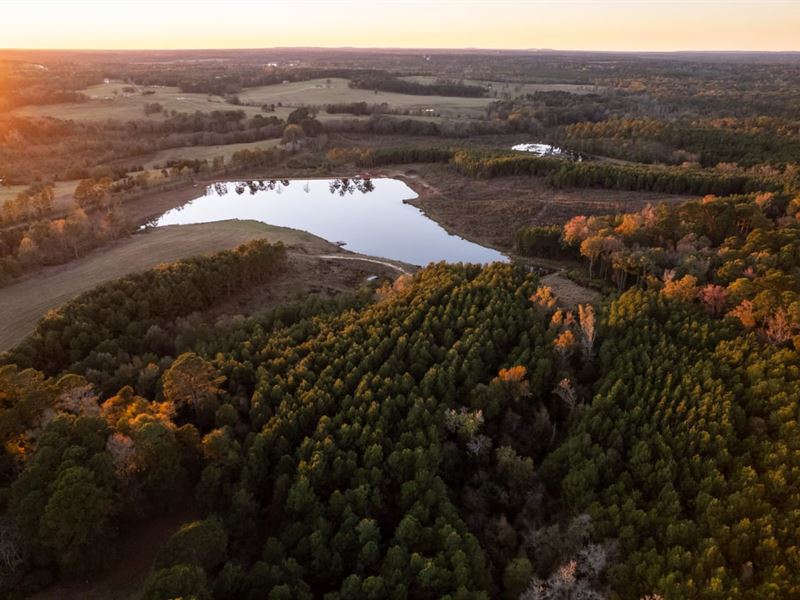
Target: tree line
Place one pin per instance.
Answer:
(388, 83)
(133, 314)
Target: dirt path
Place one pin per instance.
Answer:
(366, 259)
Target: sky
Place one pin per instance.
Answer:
(628, 25)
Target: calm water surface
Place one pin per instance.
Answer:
(368, 215)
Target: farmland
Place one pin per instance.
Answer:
(108, 101)
(513, 89)
(161, 157)
(319, 92)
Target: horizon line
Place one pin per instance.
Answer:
(407, 48)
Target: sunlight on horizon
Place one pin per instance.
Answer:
(508, 24)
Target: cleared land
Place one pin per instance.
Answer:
(318, 92)
(108, 101)
(24, 303)
(105, 104)
(490, 211)
(569, 293)
(499, 88)
(202, 152)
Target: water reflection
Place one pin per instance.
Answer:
(253, 186)
(368, 215)
(341, 186)
(348, 186)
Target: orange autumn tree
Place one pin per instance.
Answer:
(513, 380)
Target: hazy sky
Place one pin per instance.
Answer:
(564, 24)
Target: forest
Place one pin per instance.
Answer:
(405, 445)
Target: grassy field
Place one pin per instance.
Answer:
(514, 89)
(202, 152)
(317, 92)
(63, 193)
(105, 104)
(24, 303)
(107, 101)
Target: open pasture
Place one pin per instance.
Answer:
(161, 157)
(109, 101)
(319, 92)
(497, 89)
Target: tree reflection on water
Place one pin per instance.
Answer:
(263, 185)
(341, 186)
(344, 185)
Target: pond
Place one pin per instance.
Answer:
(367, 216)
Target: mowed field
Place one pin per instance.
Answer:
(108, 101)
(515, 89)
(24, 303)
(318, 92)
(105, 104)
(203, 152)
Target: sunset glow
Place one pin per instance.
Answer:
(568, 24)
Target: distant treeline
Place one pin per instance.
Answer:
(356, 108)
(233, 81)
(131, 315)
(561, 173)
(65, 150)
(387, 83)
(375, 157)
(656, 140)
(390, 125)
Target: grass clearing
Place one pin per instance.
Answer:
(202, 152)
(109, 101)
(24, 303)
(515, 89)
(318, 92)
(105, 104)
